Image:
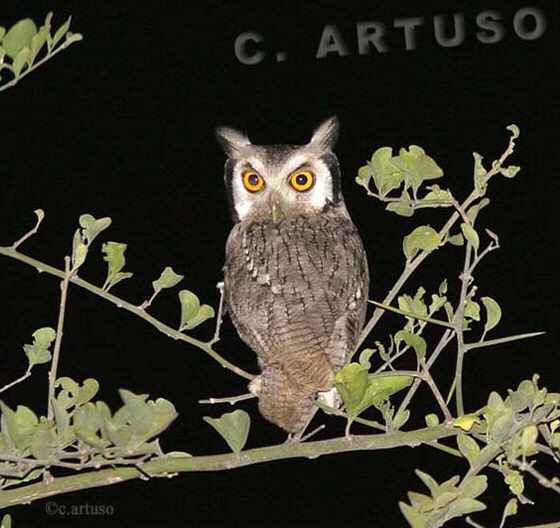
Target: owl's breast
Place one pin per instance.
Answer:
(300, 254)
(287, 284)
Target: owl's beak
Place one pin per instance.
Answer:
(276, 213)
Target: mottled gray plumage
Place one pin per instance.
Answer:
(296, 275)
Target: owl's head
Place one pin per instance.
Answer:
(281, 181)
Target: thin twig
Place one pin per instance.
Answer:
(31, 232)
(431, 320)
(501, 340)
(232, 400)
(18, 380)
(219, 317)
(58, 340)
(459, 322)
(443, 342)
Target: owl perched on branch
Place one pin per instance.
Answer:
(296, 274)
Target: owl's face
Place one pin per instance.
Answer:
(277, 182)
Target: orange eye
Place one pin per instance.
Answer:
(302, 180)
(253, 181)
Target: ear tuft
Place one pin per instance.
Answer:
(326, 134)
(231, 140)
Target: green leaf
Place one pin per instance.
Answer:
(163, 412)
(473, 211)
(114, 256)
(469, 448)
(472, 310)
(509, 510)
(43, 443)
(479, 173)
(386, 175)
(37, 42)
(192, 313)
(68, 393)
(87, 391)
(138, 420)
(365, 355)
(471, 235)
(466, 421)
(529, 437)
(456, 240)
(204, 313)
(463, 507)
(73, 37)
(167, 279)
(381, 388)
(19, 36)
(62, 420)
(351, 382)
(416, 166)
(39, 352)
(437, 194)
(118, 434)
(502, 426)
(402, 208)
(415, 341)
(414, 518)
(474, 485)
(493, 313)
(20, 61)
(2, 32)
(91, 227)
(514, 129)
(400, 419)
(18, 425)
(428, 481)
(423, 238)
(437, 303)
(515, 482)
(233, 427)
(79, 249)
(90, 437)
(364, 176)
(510, 172)
(61, 31)
(190, 305)
(414, 305)
(431, 420)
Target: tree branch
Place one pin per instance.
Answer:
(167, 467)
(120, 303)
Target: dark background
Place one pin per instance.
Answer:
(121, 125)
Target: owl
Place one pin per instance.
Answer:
(296, 276)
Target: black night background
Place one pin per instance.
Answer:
(122, 125)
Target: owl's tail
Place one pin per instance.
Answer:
(282, 402)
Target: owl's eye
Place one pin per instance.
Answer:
(253, 181)
(302, 180)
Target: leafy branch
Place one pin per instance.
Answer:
(193, 313)
(24, 47)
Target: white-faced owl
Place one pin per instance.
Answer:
(296, 275)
